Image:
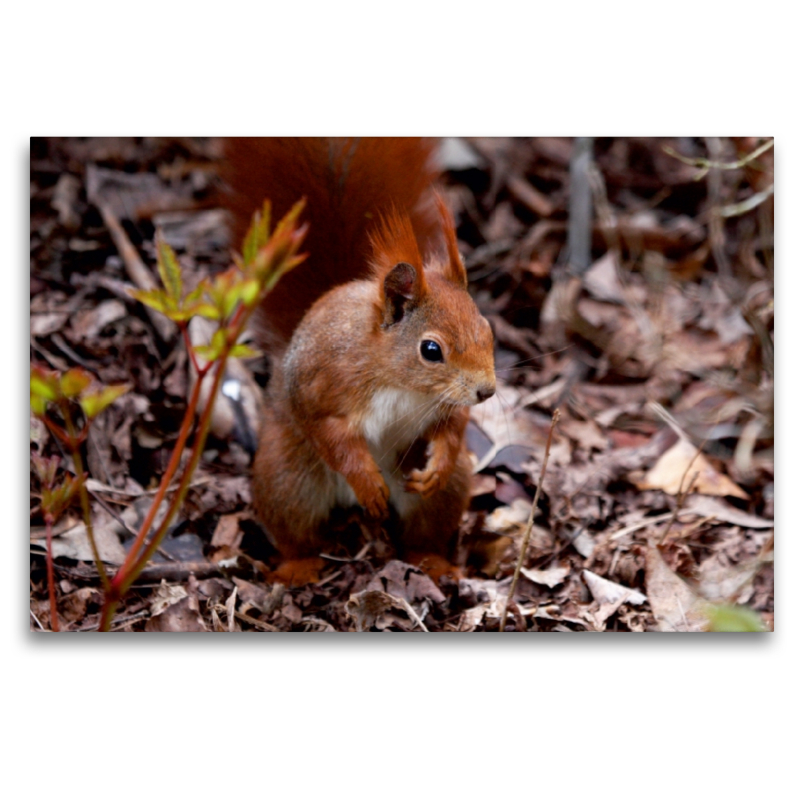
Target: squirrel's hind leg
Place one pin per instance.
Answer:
(430, 525)
(293, 491)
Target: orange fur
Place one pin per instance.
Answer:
(348, 183)
(393, 241)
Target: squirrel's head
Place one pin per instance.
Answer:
(440, 343)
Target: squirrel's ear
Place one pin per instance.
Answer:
(454, 269)
(402, 288)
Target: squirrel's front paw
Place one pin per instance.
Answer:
(424, 481)
(373, 495)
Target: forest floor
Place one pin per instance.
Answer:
(655, 345)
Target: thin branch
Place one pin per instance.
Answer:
(681, 499)
(705, 164)
(51, 583)
(74, 443)
(529, 529)
(754, 201)
(136, 269)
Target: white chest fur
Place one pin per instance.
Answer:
(397, 414)
(396, 417)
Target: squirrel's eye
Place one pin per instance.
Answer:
(431, 351)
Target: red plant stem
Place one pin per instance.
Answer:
(127, 573)
(183, 488)
(59, 433)
(133, 565)
(51, 583)
(136, 561)
(238, 322)
(189, 349)
(74, 442)
(166, 479)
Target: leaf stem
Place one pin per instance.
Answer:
(74, 442)
(51, 584)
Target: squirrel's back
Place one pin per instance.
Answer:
(348, 184)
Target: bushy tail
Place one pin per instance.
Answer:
(349, 184)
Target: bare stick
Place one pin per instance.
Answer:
(51, 583)
(681, 499)
(529, 529)
(704, 164)
(136, 269)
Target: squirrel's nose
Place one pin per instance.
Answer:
(484, 392)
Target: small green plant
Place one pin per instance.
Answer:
(54, 398)
(229, 299)
(733, 619)
(55, 499)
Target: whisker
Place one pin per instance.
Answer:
(517, 364)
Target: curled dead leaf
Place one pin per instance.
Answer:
(673, 472)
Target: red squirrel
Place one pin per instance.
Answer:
(377, 349)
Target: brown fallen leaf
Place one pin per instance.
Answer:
(181, 617)
(727, 583)
(165, 596)
(254, 596)
(672, 474)
(174, 609)
(547, 577)
(509, 519)
(72, 607)
(74, 543)
(711, 507)
(369, 610)
(227, 538)
(483, 484)
(585, 433)
(675, 606)
(609, 597)
(88, 324)
(491, 601)
(404, 581)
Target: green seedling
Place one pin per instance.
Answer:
(229, 299)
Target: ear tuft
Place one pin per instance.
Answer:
(454, 268)
(393, 241)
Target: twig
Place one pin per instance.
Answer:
(119, 623)
(706, 164)
(681, 498)
(51, 583)
(136, 269)
(754, 201)
(75, 440)
(529, 196)
(257, 623)
(179, 571)
(646, 523)
(529, 528)
(413, 614)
